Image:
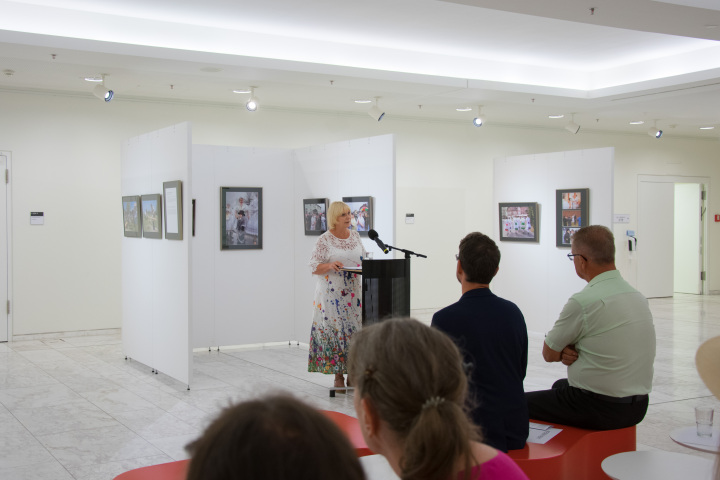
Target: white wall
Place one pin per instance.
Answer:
(66, 154)
(242, 296)
(538, 276)
(362, 167)
(156, 272)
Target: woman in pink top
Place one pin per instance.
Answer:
(411, 401)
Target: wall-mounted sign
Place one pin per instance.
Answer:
(37, 218)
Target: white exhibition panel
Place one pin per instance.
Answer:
(362, 167)
(242, 296)
(155, 272)
(538, 276)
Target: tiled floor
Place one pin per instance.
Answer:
(74, 408)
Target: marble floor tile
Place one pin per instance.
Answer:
(75, 408)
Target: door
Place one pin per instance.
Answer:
(655, 238)
(688, 238)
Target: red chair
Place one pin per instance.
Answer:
(178, 470)
(351, 427)
(574, 453)
(164, 471)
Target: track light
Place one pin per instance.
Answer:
(655, 132)
(252, 103)
(375, 111)
(102, 92)
(572, 127)
(479, 120)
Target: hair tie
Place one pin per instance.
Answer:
(432, 402)
(368, 374)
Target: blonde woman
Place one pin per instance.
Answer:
(337, 311)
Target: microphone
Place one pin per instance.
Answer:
(374, 236)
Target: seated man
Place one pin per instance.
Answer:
(605, 334)
(492, 336)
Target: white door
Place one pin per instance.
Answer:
(688, 238)
(655, 238)
(4, 279)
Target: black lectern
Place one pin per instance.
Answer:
(385, 289)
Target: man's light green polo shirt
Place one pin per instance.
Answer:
(611, 326)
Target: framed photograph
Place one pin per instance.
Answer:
(519, 222)
(132, 221)
(361, 209)
(315, 215)
(152, 215)
(571, 207)
(240, 218)
(172, 193)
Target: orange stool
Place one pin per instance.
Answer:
(574, 453)
(164, 471)
(351, 427)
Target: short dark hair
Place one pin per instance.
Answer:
(479, 257)
(277, 437)
(596, 243)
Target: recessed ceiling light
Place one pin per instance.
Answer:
(96, 78)
(636, 122)
(242, 90)
(463, 109)
(706, 128)
(211, 69)
(556, 116)
(363, 101)
(710, 26)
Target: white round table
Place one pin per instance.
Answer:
(688, 437)
(377, 468)
(657, 465)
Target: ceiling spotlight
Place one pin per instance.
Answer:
(375, 111)
(572, 127)
(479, 119)
(252, 103)
(102, 92)
(655, 132)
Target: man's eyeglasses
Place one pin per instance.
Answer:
(571, 255)
(457, 256)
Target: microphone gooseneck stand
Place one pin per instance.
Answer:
(406, 252)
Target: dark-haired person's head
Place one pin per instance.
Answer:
(479, 258)
(273, 438)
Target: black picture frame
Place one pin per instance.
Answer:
(315, 215)
(241, 232)
(519, 222)
(572, 206)
(363, 212)
(132, 220)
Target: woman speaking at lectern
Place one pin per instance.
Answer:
(337, 312)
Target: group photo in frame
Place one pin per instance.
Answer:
(315, 215)
(362, 211)
(172, 195)
(571, 207)
(151, 215)
(132, 221)
(519, 222)
(240, 218)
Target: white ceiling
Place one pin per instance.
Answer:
(608, 62)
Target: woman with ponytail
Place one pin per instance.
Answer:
(410, 399)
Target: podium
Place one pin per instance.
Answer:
(385, 289)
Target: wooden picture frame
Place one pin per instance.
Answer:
(151, 206)
(241, 218)
(519, 222)
(173, 208)
(363, 212)
(571, 213)
(315, 215)
(132, 221)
